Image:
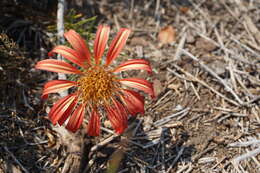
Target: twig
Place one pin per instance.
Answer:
(101, 144)
(197, 7)
(131, 9)
(253, 100)
(180, 47)
(26, 102)
(221, 160)
(223, 118)
(163, 150)
(230, 11)
(183, 168)
(251, 29)
(195, 91)
(16, 160)
(115, 17)
(177, 74)
(176, 159)
(232, 76)
(170, 117)
(254, 159)
(238, 78)
(245, 47)
(235, 56)
(157, 14)
(245, 144)
(163, 97)
(193, 78)
(159, 164)
(196, 157)
(205, 67)
(137, 127)
(60, 29)
(207, 160)
(249, 154)
(152, 143)
(190, 169)
(107, 130)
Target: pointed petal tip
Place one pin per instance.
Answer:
(100, 42)
(134, 64)
(57, 66)
(76, 118)
(79, 45)
(69, 31)
(140, 84)
(93, 128)
(61, 107)
(117, 44)
(133, 101)
(117, 119)
(55, 86)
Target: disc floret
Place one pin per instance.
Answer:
(97, 85)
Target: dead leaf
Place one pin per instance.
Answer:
(252, 28)
(174, 87)
(138, 41)
(167, 35)
(157, 85)
(51, 138)
(183, 5)
(205, 45)
(184, 9)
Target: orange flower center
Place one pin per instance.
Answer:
(97, 85)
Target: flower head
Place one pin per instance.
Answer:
(98, 88)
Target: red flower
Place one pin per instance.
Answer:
(98, 88)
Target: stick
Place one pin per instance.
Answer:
(236, 160)
(245, 144)
(60, 29)
(101, 144)
(176, 159)
(131, 9)
(193, 78)
(169, 118)
(157, 14)
(16, 160)
(235, 56)
(180, 47)
(221, 81)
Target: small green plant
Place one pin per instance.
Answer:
(77, 22)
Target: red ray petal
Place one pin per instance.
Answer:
(93, 128)
(55, 86)
(117, 44)
(61, 107)
(54, 65)
(65, 116)
(118, 122)
(121, 112)
(134, 64)
(69, 54)
(134, 102)
(78, 43)
(140, 84)
(76, 118)
(101, 41)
